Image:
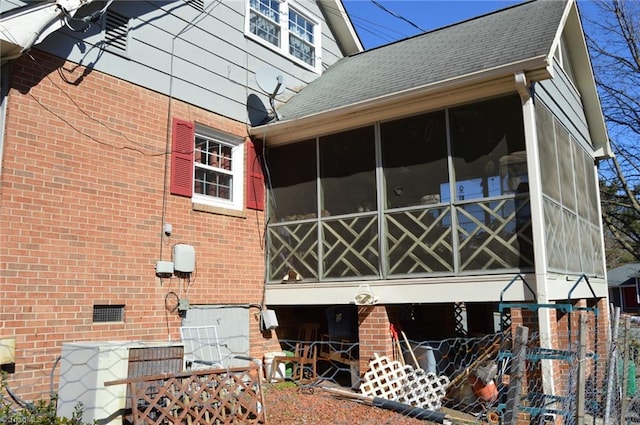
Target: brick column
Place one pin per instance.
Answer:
(374, 334)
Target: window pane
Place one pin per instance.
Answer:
(301, 50)
(211, 183)
(347, 172)
(267, 8)
(300, 26)
(414, 157)
(265, 29)
(482, 135)
(213, 166)
(294, 175)
(301, 37)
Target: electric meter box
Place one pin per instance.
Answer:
(184, 258)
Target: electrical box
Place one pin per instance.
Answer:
(268, 320)
(184, 258)
(164, 268)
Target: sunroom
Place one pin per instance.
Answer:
(438, 193)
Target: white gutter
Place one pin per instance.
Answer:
(282, 131)
(28, 26)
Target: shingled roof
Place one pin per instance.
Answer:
(488, 42)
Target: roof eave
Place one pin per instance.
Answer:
(486, 83)
(340, 23)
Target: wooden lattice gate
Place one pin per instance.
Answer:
(202, 397)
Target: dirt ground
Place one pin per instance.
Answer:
(291, 405)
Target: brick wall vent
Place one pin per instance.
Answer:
(108, 313)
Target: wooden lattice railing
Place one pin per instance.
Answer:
(210, 396)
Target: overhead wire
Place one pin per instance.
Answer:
(386, 33)
(397, 15)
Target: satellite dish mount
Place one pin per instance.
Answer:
(272, 83)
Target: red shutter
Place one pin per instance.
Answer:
(255, 178)
(182, 158)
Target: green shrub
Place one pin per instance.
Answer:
(41, 412)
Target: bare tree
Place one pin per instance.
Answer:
(613, 38)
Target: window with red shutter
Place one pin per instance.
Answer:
(182, 158)
(255, 177)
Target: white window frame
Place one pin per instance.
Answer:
(237, 171)
(283, 25)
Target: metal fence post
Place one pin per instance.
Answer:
(517, 376)
(613, 353)
(582, 370)
(625, 365)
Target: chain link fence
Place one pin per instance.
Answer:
(510, 377)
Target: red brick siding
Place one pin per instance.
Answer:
(83, 180)
(374, 334)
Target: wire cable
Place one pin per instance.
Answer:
(397, 15)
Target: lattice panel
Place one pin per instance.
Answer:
(419, 242)
(424, 389)
(391, 380)
(598, 259)
(554, 235)
(293, 247)
(495, 235)
(199, 398)
(460, 319)
(350, 247)
(572, 242)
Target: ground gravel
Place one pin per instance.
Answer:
(289, 405)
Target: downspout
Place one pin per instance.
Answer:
(537, 223)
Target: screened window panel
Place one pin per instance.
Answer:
(293, 247)
(572, 242)
(548, 153)
(414, 155)
(350, 247)
(592, 190)
(567, 186)
(495, 235)
(596, 245)
(419, 241)
(555, 236)
(293, 194)
(347, 172)
(582, 193)
(481, 134)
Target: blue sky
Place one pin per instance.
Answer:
(376, 26)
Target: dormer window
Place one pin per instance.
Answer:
(287, 28)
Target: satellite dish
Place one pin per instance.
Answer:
(270, 81)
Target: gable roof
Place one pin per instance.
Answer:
(623, 274)
(510, 36)
(488, 50)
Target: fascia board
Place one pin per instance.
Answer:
(341, 26)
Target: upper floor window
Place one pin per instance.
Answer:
(285, 27)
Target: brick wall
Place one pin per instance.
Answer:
(84, 191)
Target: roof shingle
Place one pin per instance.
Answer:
(507, 36)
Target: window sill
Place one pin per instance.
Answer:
(218, 210)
